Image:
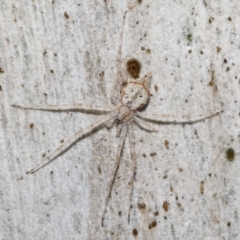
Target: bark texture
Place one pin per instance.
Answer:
(187, 181)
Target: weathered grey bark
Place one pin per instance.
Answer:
(56, 52)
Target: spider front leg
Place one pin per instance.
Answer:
(66, 107)
(81, 133)
(173, 119)
(123, 135)
(117, 87)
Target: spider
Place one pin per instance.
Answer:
(127, 97)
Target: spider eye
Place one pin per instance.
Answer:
(139, 96)
(126, 96)
(132, 90)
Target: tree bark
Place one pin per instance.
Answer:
(187, 182)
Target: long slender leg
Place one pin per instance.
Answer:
(113, 175)
(109, 123)
(117, 86)
(71, 140)
(133, 172)
(172, 119)
(65, 107)
(144, 125)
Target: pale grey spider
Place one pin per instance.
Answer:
(128, 97)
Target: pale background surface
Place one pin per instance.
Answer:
(65, 52)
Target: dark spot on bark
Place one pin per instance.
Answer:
(152, 224)
(218, 49)
(99, 169)
(101, 74)
(230, 154)
(166, 143)
(189, 37)
(133, 68)
(202, 187)
(141, 205)
(211, 83)
(148, 51)
(66, 15)
(165, 206)
(210, 20)
(135, 232)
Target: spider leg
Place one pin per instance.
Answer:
(66, 107)
(144, 125)
(71, 140)
(134, 159)
(119, 129)
(113, 175)
(118, 85)
(172, 119)
(108, 124)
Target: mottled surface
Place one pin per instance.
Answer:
(188, 181)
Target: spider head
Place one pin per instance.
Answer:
(136, 94)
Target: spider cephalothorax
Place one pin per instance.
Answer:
(135, 95)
